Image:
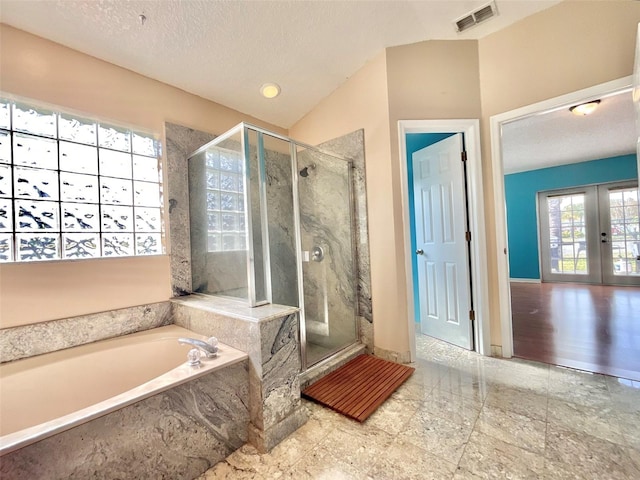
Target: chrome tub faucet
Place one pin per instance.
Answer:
(209, 348)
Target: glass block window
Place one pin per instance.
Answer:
(73, 187)
(225, 201)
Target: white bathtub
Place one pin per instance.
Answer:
(47, 394)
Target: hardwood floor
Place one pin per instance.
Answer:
(589, 327)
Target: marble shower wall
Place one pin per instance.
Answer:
(228, 266)
(326, 220)
(212, 272)
(282, 246)
(176, 434)
(181, 142)
(352, 146)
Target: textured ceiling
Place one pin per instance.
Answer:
(225, 50)
(560, 137)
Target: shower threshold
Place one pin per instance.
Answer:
(329, 364)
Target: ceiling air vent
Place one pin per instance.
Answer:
(477, 16)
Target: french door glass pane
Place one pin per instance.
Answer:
(567, 234)
(625, 231)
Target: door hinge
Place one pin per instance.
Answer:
(472, 315)
(467, 236)
(463, 156)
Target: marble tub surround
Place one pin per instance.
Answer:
(175, 434)
(462, 416)
(39, 338)
(50, 393)
(181, 142)
(269, 335)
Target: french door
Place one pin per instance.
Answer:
(591, 234)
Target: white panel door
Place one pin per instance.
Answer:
(442, 249)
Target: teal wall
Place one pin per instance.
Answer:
(520, 193)
(415, 142)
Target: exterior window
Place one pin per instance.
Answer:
(225, 202)
(73, 187)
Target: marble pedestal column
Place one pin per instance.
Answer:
(270, 336)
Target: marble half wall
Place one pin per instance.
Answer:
(270, 336)
(176, 434)
(181, 142)
(38, 338)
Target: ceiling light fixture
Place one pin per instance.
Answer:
(585, 108)
(270, 90)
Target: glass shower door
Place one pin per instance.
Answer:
(328, 254)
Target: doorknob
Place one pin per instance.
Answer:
(420, 251)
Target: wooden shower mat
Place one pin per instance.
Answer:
(359, 387)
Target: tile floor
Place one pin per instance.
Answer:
(463, 416)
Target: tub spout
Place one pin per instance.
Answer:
(208, 349)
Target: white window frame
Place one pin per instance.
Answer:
(95, 186)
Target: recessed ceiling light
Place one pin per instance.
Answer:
(270, 90)
(585, 108)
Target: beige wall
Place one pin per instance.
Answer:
(41, 70)
(427, 80)
(362, 103)
(567, 47)
(574, 45)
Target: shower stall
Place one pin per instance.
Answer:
(272, 221)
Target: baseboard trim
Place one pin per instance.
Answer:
(525, 280)
(392, 356)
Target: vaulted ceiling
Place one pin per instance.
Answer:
(225, 50)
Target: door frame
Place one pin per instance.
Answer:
(496, 121)
(479, 271)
